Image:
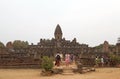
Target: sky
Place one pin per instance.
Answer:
(89, 21)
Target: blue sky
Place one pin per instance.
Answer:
(90, 21)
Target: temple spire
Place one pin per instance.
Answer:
(58, 32)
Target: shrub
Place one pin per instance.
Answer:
(47, 63)
(97, 61)
(114, 59)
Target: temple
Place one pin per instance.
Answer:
(31, 56)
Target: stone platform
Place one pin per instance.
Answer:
(71, 69)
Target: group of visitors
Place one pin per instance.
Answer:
(68, 59)
(101, 61)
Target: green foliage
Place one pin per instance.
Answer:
(20, 44)
(1, 45)
(99, 46)
(47, 63)
(115, 59)
(97, 61)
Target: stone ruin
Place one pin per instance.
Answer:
(31, 56)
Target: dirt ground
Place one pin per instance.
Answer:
(100, 73)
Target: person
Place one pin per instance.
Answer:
(97, 61)
(102, 61)
(57, 60)
(71, 58)
(67, 59)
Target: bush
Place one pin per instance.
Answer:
(97, 61)
(47, 63)
(114, 59)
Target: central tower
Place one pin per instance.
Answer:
(58, 32)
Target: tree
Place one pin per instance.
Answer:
(24, 44)
(2, 45)
(20, 44)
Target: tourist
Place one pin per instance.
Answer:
(102, 61)
(57, 60)
(67, 59)
(106, 61)
(71, 58)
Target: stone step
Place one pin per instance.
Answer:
(68, 70)
(67, 73)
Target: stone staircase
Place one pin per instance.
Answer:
(67, 70)
(71, 69)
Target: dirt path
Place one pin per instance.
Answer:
(101, 73)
